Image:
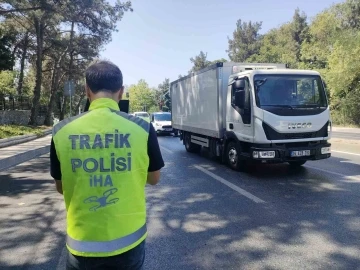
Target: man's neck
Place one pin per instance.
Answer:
(103, 95)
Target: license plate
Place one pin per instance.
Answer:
(168, 129)
(300, 153)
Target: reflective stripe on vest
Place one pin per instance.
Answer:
(137, 120)
(108, 246)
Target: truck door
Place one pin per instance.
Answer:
(239, 113)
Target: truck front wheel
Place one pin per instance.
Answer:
(297, 163)
(233, 158)
(189, 146)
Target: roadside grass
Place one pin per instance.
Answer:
(8, 131)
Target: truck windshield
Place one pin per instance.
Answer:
(162, 117)
(289, 91)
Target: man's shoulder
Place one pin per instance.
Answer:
(137, 120)
(67, 121)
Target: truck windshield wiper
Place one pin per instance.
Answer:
(310, 106)
(259, 83)
(280, 106)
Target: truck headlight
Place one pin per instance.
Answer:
(158, 124)
(325, 150)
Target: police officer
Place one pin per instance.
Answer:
(101, 161)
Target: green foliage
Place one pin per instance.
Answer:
(330, 44)
(7, 38)
(64, 37)
(164, 91)
(221, 60)
(141, 97)
(7, 83)
(283, 44)
(199, 62)
(7, 131)
(246, 41)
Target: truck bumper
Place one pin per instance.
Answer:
(285, 152)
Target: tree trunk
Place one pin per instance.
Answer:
(22, 64)
(63, 108)
(64, 104)
(71, 61)
(79, 104)
(39, 27)
(54, 79)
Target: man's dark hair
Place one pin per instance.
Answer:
(104, 76)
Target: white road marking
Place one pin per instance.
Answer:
(348, 153)
(230, 185)
(166, 150)
(335, 173)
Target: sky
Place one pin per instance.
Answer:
(157, 39)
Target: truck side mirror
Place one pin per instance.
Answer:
(239, 93)
(239, 85)
(240, 98)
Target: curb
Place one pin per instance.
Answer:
(23, 157)
(22, 139)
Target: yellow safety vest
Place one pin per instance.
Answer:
(104, 166)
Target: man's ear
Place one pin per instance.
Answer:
(121, 92)
(87, 91)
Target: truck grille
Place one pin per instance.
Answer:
(167, 126)
(272, 134)
(307, 135)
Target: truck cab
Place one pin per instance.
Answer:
(278, 116)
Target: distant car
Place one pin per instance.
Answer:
(143, 115)
(162, 123)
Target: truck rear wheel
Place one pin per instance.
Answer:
(233, 160)
(189, 146)
(297, 163)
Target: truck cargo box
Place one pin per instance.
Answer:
(198, 100)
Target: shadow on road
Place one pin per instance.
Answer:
(309, 221)
(31, 217)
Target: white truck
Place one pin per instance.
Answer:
(253, 113)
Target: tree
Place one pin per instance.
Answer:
(350, 11)
(164, 92)
(199, 62)
(140, 97)
(7, 39)
(221, 60)
(283, 44)
(95, 18)
(323, 33)
(299, 32)
(7, 86)
(246, 41)
(343, 77)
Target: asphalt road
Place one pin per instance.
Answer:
(205, 216)
(347, 133)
